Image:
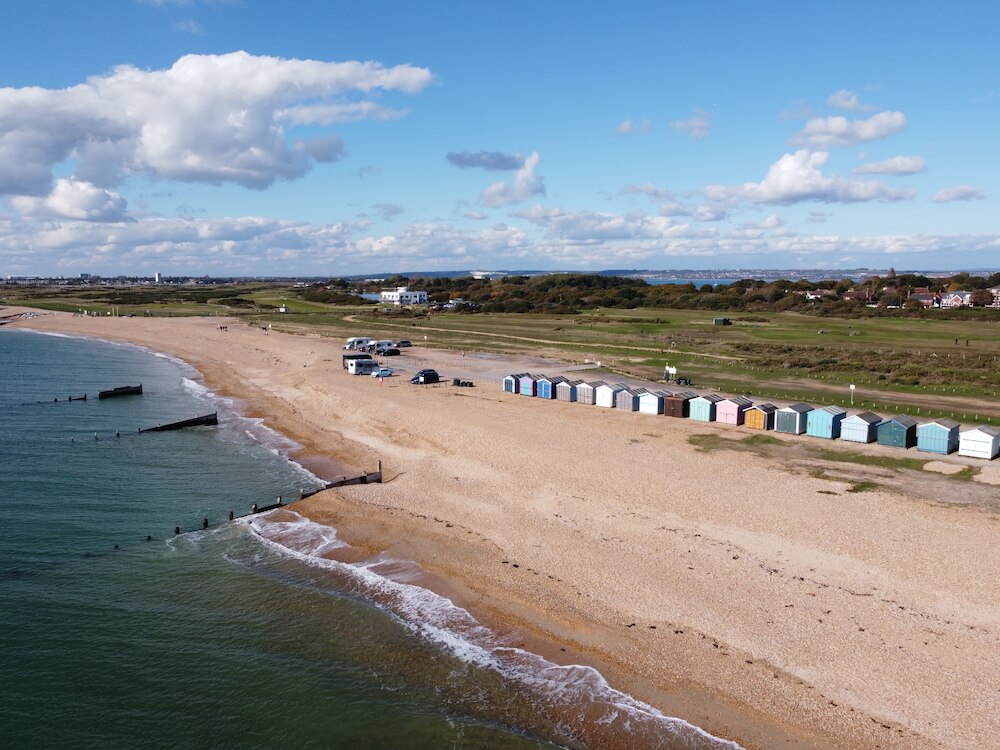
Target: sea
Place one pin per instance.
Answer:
(117, 632)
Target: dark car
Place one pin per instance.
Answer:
(425, 376)
(389, 352)
(403, 342)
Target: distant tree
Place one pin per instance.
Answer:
(981, 298)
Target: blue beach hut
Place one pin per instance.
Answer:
(546, 387)
(792, 418)
(825, 422)
(566, 390)
(702, 408)
(898, 432)
(528, 385)
(939, 436)
(861, 428)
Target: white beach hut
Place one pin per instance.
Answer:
(982, 442)
(652, 403)
(605, 394)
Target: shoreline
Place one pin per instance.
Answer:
(713, 670)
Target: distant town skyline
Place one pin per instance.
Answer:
(227, 138)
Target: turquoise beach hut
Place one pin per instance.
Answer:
(528, 385)
(898, 432)
(939, 436)
(825, 422)
(861, 428)
(702, 408)
(546, 387)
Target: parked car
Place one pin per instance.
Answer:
(382, 372)
(425, 376)
(389, 352)
(403, 342)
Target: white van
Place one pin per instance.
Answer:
(357, 342)
(381, 344)
(362, 366)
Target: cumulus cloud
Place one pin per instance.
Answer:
(74, 199)
(799, 177)
(897, 165)
(629, 126)
(330, 114)
(960, 193)
(698, 125)
(600, 226)
(526, 185)
(848, 101)
(829, 132)
(208, 118)
(493, 161)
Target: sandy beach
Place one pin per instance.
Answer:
(744, 595)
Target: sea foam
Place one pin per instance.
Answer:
(597, 714)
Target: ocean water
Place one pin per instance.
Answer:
(250, 634)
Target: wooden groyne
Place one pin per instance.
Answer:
(204, 420)
(365, 477)
(123, 390)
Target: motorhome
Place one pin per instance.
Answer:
(357, 342)
(362, 366)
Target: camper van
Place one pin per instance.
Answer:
(362, 366)
(357, 342)
(380, 345)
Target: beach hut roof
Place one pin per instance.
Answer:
(868, 417)
(903, 421)
(557, 379)
(834, 410)
(991, 431)
(594, 383)
(713, 397)
(612, 386)
(948, 424)
(683, 395)
(798, 406)
(655, 394)
(573, 382)
(739, 400)
(766, 408)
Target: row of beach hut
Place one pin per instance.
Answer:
(828, 422)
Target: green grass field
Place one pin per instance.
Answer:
(924, 367)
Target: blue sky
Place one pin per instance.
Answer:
(313, 138)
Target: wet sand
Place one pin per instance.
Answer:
(724, 588)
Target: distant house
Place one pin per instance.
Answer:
(995, 291)
(859, 295)
(402, 295)
(815, 295)
(927, 299)
(956, 299)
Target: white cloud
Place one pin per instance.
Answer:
(629, 126)
(329, 114)
(474, 215)
(960, 193)
(74, 199)
(798, 177)
(847, 100)
(208, 118)
(189, 26)
(897, 165)
(526, 185)
(698, 125)
(829, 132)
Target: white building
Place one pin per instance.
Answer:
(402, 295)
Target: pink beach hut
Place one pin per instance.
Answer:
(732, 410)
